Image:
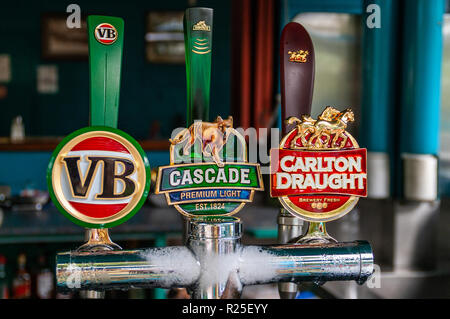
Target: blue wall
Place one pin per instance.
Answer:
(149, 92)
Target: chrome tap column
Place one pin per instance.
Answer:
(289, 228)
(215, 241)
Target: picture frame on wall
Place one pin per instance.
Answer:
(59, 42)
(164, 37)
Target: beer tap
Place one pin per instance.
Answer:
(311, 137)
(208, 181)
(96, 148)
(198, 51)
(297, 68)
(297, 86)
(105, 64)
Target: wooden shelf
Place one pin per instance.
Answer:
(36, 144)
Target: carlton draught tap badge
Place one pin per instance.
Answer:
(209, 173)
(319, 171)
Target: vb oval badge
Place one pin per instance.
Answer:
(105, 33)
(319, 172)
(97, 177)
(209, 174)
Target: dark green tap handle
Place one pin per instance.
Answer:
(105, 36)
(198, 23)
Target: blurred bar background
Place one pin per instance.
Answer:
(388, 60)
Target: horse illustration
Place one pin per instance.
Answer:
(326, 127)
(303, 126)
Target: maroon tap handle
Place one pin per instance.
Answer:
(296, 72)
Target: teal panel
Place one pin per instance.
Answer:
(149, 92)
(421, 76)
(380, 53)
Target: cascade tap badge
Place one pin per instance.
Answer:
(97, 177)
(105, 33)
(319, 172)
(209, 173)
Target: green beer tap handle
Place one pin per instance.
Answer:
(198, 24)
(105, 36)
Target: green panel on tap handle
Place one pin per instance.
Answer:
(198, 23)
(105, 36)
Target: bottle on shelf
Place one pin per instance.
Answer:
(22, 280)
(17, 130)
(44, 280)
(4, 292)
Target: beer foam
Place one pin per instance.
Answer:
(177, 265)
(256, 266)
(246, 262)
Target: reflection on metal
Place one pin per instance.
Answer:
(378, 171)
(316, 234)
(214, 265)
(214, 243)
(98, 239)
(337, 45)
(179, 267)
(289, 228)
(420, 177)
(157, 267)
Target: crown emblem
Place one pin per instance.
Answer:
(201, 26)
(298, 56)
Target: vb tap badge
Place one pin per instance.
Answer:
(208, 172)
(97, 177)
(319, 172)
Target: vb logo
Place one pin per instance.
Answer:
(99, 177)
(109, 176)
(105, 33)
